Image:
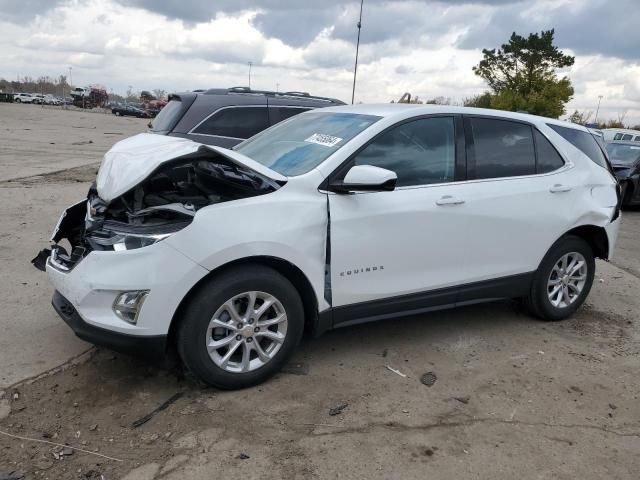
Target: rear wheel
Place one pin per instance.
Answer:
(241, 327)
(563, 279)
(18, 100)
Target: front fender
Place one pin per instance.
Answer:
(290, 224)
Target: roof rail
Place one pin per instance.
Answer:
(297, 94)
(248, 90)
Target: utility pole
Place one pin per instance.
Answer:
(250, 64)
(355, 68)
(595, 120)
(70, 78)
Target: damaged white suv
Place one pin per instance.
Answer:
(333, 217)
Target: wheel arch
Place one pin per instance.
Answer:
(288, 270)
(595, 236)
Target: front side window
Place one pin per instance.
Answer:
(584, 142)
(235, 122)
(618, 136)
(502, 148)
(303, 142)
(626, 136)
(420, 152)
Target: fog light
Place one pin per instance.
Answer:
(127, 305)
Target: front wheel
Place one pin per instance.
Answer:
(241, 327)
(563, 279)
(18, 100)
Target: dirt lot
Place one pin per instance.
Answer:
(513, 397)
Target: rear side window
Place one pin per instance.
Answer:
(548, 157)
(278, 114)
(637, 139)
(502, 148)
(235, 122)
(584, 142)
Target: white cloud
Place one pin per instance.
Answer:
(414, 46)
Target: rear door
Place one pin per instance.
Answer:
(519, 198)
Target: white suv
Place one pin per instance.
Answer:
(23, 98)
(333, 217)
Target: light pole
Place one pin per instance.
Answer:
(70, 79)
(250, 65)
(595, 120)
(355, 68)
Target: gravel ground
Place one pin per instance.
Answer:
(511, 396)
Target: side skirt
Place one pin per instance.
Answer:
(513, 286)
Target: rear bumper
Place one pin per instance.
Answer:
(612, 235)
(147, 346)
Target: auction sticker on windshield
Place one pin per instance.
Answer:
(325, 140)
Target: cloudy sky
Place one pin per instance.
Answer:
(423, 47)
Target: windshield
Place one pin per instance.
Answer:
(297, 145)
(626, 154)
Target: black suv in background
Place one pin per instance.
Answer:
(225, 117)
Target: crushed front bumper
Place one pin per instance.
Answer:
(146, 346)
(95, 281)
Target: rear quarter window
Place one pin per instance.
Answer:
(548, 158)
(584, 142)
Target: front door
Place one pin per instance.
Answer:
(397, 245)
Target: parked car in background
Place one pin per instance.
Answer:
(23, 98)
(625, 160)
(225, 117)
(38, 98)
(624, 134)
(52, 100)
(128, 111)
(330, 218)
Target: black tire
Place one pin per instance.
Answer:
(192, 331)
(538, 303)
(18, 100)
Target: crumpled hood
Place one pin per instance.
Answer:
(132, 160)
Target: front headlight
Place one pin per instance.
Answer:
(119, 241)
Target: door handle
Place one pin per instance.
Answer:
(558, 188)
(449, 200)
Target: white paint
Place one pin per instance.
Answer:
(417, 238)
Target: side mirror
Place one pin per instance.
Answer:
(366, 178)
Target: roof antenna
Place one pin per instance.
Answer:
(355, 68)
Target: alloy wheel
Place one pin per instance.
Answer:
(567, 279)
(246, 332)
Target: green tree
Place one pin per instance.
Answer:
(521, 75)
(479, 101)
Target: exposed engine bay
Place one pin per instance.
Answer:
(162, 204)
